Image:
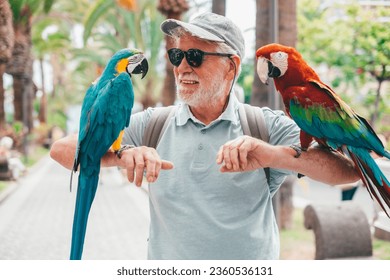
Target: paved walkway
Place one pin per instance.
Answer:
(36, 218)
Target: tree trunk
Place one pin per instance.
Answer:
(57, 74)
(286, 203)
(168, 94)
(18, 98)
(288, 23)
(172, 9)
(374, 115)
(23, 99)
(42, 116)
(7, 38)
(259, 95)
(287, 36)
(20, 67)
(2, 111)
(219, 7)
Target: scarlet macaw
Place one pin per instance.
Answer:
(322, 115)
(105, 113)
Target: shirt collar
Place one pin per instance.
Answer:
(184, 113)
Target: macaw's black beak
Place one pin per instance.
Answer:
(141, 68)
(273, 71)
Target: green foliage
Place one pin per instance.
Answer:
(35, 6)
(372, 46)
(45, 42)
(352, 42)
(381, 249)
(47, 5)
(95, 13)
(3, 185)
(17, 127)
(16, 6)
(245, 80)
(57, 113)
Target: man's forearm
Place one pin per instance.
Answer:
(319, 164)
(63, 151)
(246, 153)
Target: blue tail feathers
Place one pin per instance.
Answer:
(85, 194)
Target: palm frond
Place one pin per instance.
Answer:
(94, 15)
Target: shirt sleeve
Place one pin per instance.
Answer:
(134, 133)
(282, 131)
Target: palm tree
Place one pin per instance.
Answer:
(20, 66)
(259, 95)
(173, 9)
(287, 36)
(6, 46)
(286, 33)
(288, 23)
(53, 44)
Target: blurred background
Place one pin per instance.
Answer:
(51, 51)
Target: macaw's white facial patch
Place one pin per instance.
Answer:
(280, 60)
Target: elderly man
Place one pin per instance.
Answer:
(215, 203)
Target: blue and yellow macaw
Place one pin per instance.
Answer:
(105, 113)
(322, 115)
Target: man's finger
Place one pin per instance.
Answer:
(151, 173)
(139, 168)
(166, 165)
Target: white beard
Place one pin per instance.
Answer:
(203, 97)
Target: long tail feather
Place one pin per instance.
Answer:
(377, 184)
(85, 194)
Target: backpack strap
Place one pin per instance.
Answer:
(157, 124)
(253, 124)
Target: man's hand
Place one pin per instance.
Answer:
(143, 159)
(244, 154)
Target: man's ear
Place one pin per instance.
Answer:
(235, 63)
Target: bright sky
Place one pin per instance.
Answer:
(243, 13)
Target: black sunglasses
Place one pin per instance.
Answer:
(194, 57)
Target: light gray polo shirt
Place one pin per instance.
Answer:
(196, 211)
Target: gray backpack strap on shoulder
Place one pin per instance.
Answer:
(157, 124)
(253, 124)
